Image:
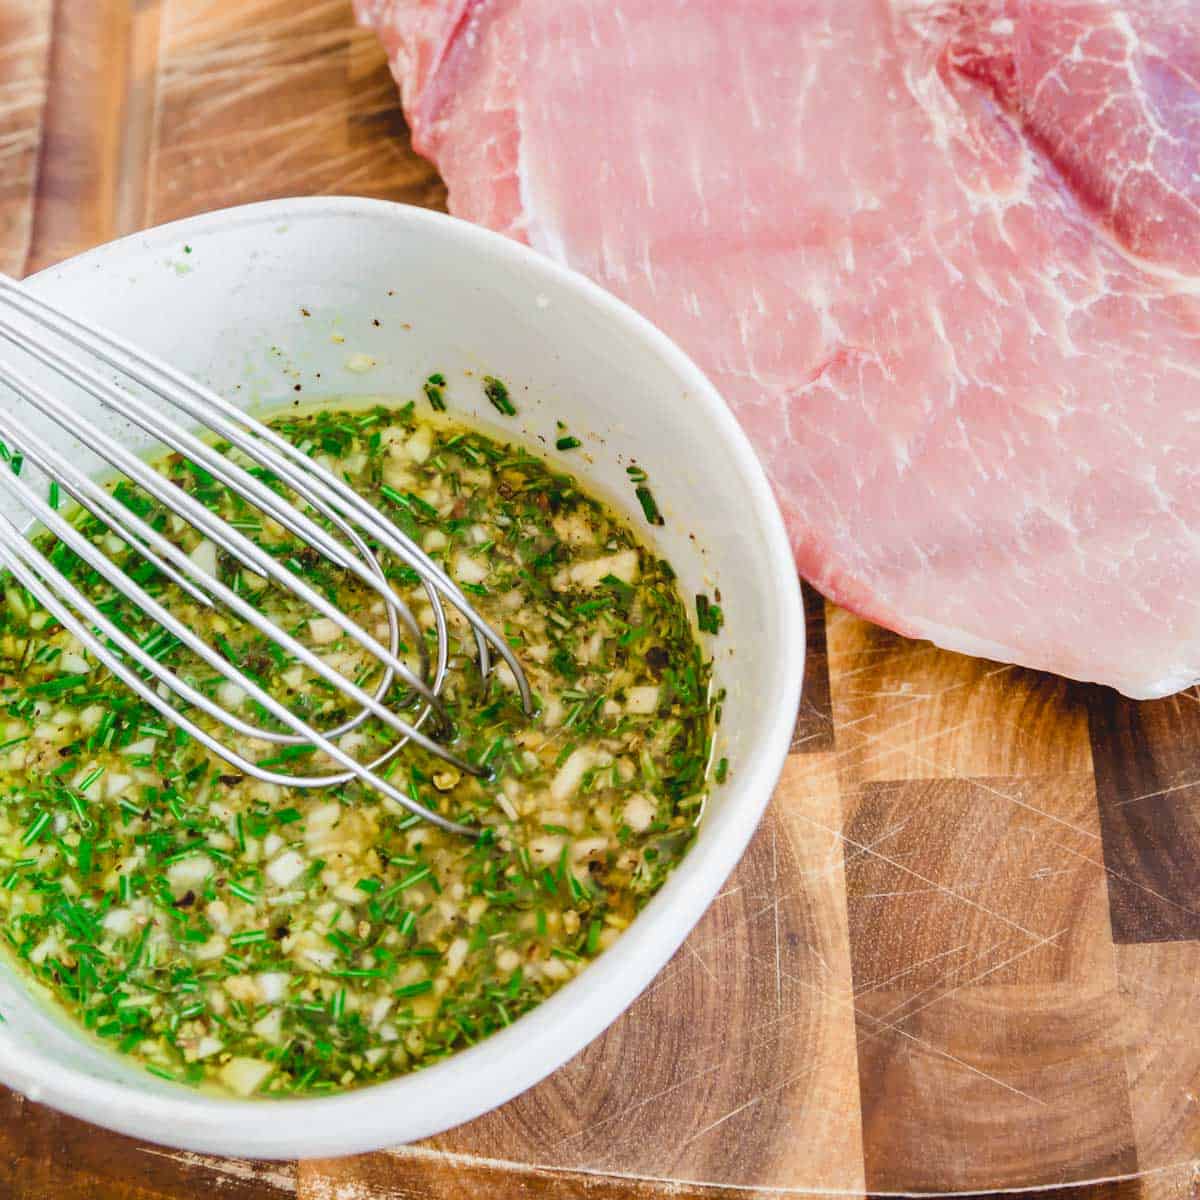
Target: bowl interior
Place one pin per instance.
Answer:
(298, 301)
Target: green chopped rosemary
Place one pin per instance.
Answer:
(649, 505)
(497, 394)
(435, 392)
(709, 616)
(205, 922)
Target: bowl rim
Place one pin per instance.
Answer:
(446, 1094)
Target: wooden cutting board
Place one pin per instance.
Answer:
(963, 951)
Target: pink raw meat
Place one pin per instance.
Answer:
(943, 260)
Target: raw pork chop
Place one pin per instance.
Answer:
(943, 259)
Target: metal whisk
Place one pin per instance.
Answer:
(75, 351)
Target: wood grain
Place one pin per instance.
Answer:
(906, 710)
(24, 69)
(814, 722)
(89, 170)
(51, 1155)
(961, 952)
(1148, 782)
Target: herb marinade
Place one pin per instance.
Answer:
(226, 931)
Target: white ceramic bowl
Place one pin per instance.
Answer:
(222, 297)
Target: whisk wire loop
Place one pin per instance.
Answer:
(328, 518)
(16, 556)
(265, 446)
